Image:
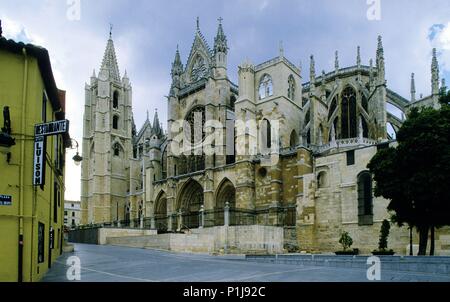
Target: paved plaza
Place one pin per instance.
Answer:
(121, 264)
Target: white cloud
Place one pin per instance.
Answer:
(441, 41)
(17, 31)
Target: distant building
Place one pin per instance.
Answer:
(72, 213)
(31, 217)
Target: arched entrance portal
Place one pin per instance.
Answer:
(189, 203)
(161, 212)
(225, 193)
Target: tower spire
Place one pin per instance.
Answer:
(413, 88)
(109, 67)
(220, 41)
(380, 61)
(434, 74)
(281, 49)
(312, 70)
(358, 56)
(156, 125)
(336, 61)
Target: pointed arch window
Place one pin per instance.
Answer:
(266, 134)
(365, 200)
(116, 99)
(291, 87)
(265, 87)
(199, 69)
(348, 113)
(116, 122)
(293, 141)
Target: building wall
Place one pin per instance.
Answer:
(72, 213)
(24, 97)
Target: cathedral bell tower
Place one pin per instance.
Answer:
(107, 142)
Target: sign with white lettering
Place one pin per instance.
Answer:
(38, 171)
(5, 200)
(51, 128)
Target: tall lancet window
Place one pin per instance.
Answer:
(348, 113)
(365, 200)
(116, 100)
(115, 122)
(291, 89)
(265, 87)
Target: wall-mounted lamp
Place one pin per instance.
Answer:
(77, 158)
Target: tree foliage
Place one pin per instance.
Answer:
(346, 241)
(384, 234)
(415, 175)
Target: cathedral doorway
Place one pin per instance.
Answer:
(161, 212)
(189, 204)
(225, 193)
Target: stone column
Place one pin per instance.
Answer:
(152, 223)
(180, 220)
(169, 224)
(226, 214)
(202, 217)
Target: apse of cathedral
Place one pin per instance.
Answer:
(320, 130)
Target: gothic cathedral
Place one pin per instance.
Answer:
(292, 152)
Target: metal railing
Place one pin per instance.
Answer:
(273, 216)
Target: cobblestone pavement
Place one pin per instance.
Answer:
(112, 263)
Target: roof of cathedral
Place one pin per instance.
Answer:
(199, 43)
(109, 63)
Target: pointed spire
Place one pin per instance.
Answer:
(281, 49)
(434, 74)
(93, 74)
(156, 124)
(380, 61)
(148, 119)
(358, 56)
(198, 23)
(177, 66)
(323, 79)
(312, 70)
(220, 41)
(336, 61)
(109, 65)
(413, 88)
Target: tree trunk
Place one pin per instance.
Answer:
(423, 240)
(432, 241)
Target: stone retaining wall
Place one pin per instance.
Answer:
(435, 264)
(234, 239)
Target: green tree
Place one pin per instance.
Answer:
(384, 234)
(346, 241)
(415, 175)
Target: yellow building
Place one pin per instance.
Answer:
(31, 217)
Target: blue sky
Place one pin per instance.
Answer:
(146, 34)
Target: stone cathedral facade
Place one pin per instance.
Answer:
(321, 129)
